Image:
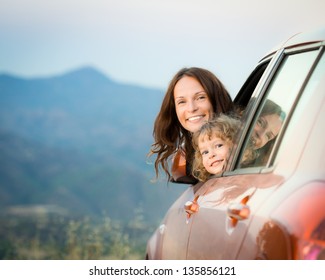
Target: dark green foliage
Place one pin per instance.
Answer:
(54, 237)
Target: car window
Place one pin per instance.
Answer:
(315, 79)
(275, 108)
(249, 86)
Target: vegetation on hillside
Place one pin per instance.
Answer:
(73, 147)
(54, 237)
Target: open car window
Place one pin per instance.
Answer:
(249, 86)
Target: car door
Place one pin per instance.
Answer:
(228, 204)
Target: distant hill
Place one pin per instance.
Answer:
(81, 109)
(77, 143)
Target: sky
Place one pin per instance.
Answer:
(145, 42)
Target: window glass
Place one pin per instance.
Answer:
(275, 108)
(315, 79)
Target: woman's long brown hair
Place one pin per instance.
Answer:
(168, 133)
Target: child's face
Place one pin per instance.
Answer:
(214, 152)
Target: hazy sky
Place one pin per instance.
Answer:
(146, 42)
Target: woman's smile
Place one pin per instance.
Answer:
(192, 104)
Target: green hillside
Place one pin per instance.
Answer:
(73, 152)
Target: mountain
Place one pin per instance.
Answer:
(79, 109)
(77, 143)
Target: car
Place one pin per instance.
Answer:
(272, 207)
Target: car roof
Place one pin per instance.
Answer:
(301, 38)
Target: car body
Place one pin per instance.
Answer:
(275, 208)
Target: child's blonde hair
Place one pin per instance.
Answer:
(223, 127)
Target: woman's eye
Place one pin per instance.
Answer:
(259, 122)
(269, 136)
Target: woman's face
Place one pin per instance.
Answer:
(266, 129)
(193, 107)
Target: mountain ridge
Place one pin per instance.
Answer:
(93, 131)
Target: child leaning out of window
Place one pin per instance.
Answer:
(213, 144)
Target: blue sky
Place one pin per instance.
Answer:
(145, 42)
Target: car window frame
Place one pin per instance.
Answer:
(272, 158)
(260, 94)
(273, 61)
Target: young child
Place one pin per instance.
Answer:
(213, 144)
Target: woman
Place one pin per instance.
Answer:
(193, 96)
(266, 129)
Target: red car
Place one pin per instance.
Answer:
(273, 206)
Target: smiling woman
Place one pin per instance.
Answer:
(193, 97)
(193, 107)
(264, 133)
